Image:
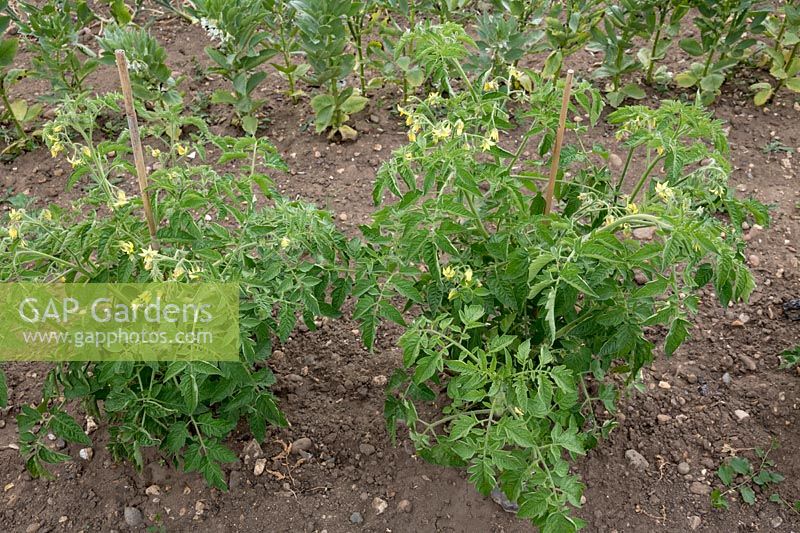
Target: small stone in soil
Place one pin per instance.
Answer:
(700, 489)
(664, 385)
(741, 415)
(644, 234)
(684, 468)
(694, 522)
(636, 459)
(502, 500)
(404, 506)
(356, 518)
(663, 419)
(379, 505)
(133, 516)
(754, 260)
(366, 449)
(86, 454)
(260, 466)
(302, 444)
(726, 378)
(776, 522)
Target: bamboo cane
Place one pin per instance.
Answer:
(136, 143)
(554, 161)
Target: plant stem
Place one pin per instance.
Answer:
(644, 177)
(556, 157)
(618, 188)
(789, 62)
(649, 77)
(7, 104)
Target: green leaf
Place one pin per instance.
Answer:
(678, 332)
(740, 465)
(354, 104)
(725, 474)
(67, 428)
(3, 389)
(633, 91)
(718, 500)
(691, 47)
(793, 84)
(748, 496)
(8, 50)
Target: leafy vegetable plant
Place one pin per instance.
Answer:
(663, 22)
(239, 48)
(529, 324)
(59, 56)
(323, 31)
(567, 29)
(738, 475)
(783, 55)
(285, 257)
(151, 77)
(723, 43)
(18, 112)
(283, 36)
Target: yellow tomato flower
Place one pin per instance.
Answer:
(122, 199)
(664, 192)
(448, 272)
(16, 215)
(148, 256)
(453, 294)
(86, 151)
(195, 272)
(441, 131)
(632, 208)
(285, 242)
(403, 112)
(494, 135)
(459, 127)
(412, 137)
(47, 215)
(178, 272)
(486, 145)
(181, 149)
(56, 149)
(489, 85)
(127, 247)
(155, 152)
(468, 275)
(13, 232)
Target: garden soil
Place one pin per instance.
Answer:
(722, 393)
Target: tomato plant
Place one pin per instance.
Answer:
(530, 324)
(286, 257)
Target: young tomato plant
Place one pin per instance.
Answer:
(322, 25)
(239, 49)
(783, 54)
(286, 258)
(723, 43)
(529, 324)
(58, 55)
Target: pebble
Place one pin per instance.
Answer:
(701, 489)
(637, 460)
(33, 528)
(640, 278)
(366, 449)
(691, 378)
(380, 380)
(644, 234)
(377, 147)
(754, 260)
(260, 466)
(343, 217)
(153, 490)
(776, 522)
(664, 385)
(91, 425)
(741, 415)
(726, 378)
(694, 522)
(663, 419)
(86, 454)
(302, 444)
(499, 497)
(748, 362)
(684, 468)
(615, 160)
(379, 505)
(133, 516)
(404, 506)
(356, 518)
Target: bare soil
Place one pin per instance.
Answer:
(330, 387)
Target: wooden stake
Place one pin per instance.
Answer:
(136, 143)
(554, 161)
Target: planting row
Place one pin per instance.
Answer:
(324, 42)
